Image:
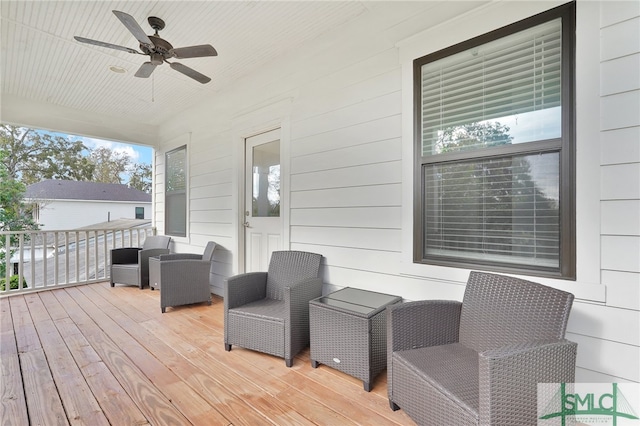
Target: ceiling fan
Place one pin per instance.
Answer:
(159, 50)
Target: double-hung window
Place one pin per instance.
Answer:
(494, 150)
(176, 192)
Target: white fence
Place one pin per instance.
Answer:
(50, 259)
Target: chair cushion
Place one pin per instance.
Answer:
(451, 370)
(270, 309)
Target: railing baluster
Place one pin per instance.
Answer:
(66, 257)
(45, 277)
(32, 247)
(86, 255)
(32, 263)
(104, 255)
(21, 261)
(55, 259)
(77, 256)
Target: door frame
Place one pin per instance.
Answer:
(246, 126)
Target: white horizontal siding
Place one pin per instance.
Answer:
(620, 181)
(619, 38)
(610, 334)
(620, 75)
(621, 217)
(368, 153)
(623, 289)
(616, 360)
(362, 175)
(621, 253)
(364, 238)
(342, 99)
(620, 146)
(359, 196)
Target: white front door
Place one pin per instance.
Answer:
(262, 224)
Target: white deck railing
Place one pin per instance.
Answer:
(51, 259)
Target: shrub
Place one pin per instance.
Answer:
(14, 281)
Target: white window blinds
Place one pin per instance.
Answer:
(176, 192)
(505, 91)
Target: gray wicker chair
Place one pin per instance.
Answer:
(479, 362)
(130, 265)
(269, 311)
(183, 278)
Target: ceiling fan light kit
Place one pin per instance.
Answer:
(158, 49)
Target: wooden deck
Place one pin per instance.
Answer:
(96, 355)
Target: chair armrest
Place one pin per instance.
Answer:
(124, 255)
(244, 288)
(509, 378)
(180, 256)
(145, 254)
(303, 291)
(422, 323)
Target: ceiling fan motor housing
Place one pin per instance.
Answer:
(160, 46)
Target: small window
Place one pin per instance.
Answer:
(494, 150)
(139, 212)
(176, 192)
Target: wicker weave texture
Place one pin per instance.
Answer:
(353, 343)
(269, 311)
(475, 381)
(130, 265)
(499, 310)
(183, 278)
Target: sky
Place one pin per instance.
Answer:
(137, 153)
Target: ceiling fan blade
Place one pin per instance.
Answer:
(194, 51)
(103, 44)
(189, 72)
(133, 26)
(145, 70)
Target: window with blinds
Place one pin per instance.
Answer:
(176, 192)
(494, 149)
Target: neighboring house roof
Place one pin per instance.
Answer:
(90, 191)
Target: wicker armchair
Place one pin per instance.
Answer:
(183, 278)
(479, 362)
(269, 311)
(130, 265)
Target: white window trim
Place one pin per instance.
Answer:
(483, 20)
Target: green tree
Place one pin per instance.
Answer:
(33, 156)
(108, 165)
(140, 177)
(13, 214)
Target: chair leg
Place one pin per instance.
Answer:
(163, 309)
(288, 362)
(393, 406)
(227, 347)
(113, 284)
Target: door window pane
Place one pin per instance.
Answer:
(266, 180)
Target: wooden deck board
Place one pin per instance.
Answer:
(110, 353)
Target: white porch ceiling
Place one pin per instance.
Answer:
(43, 67)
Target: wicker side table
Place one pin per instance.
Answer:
(348, 332)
